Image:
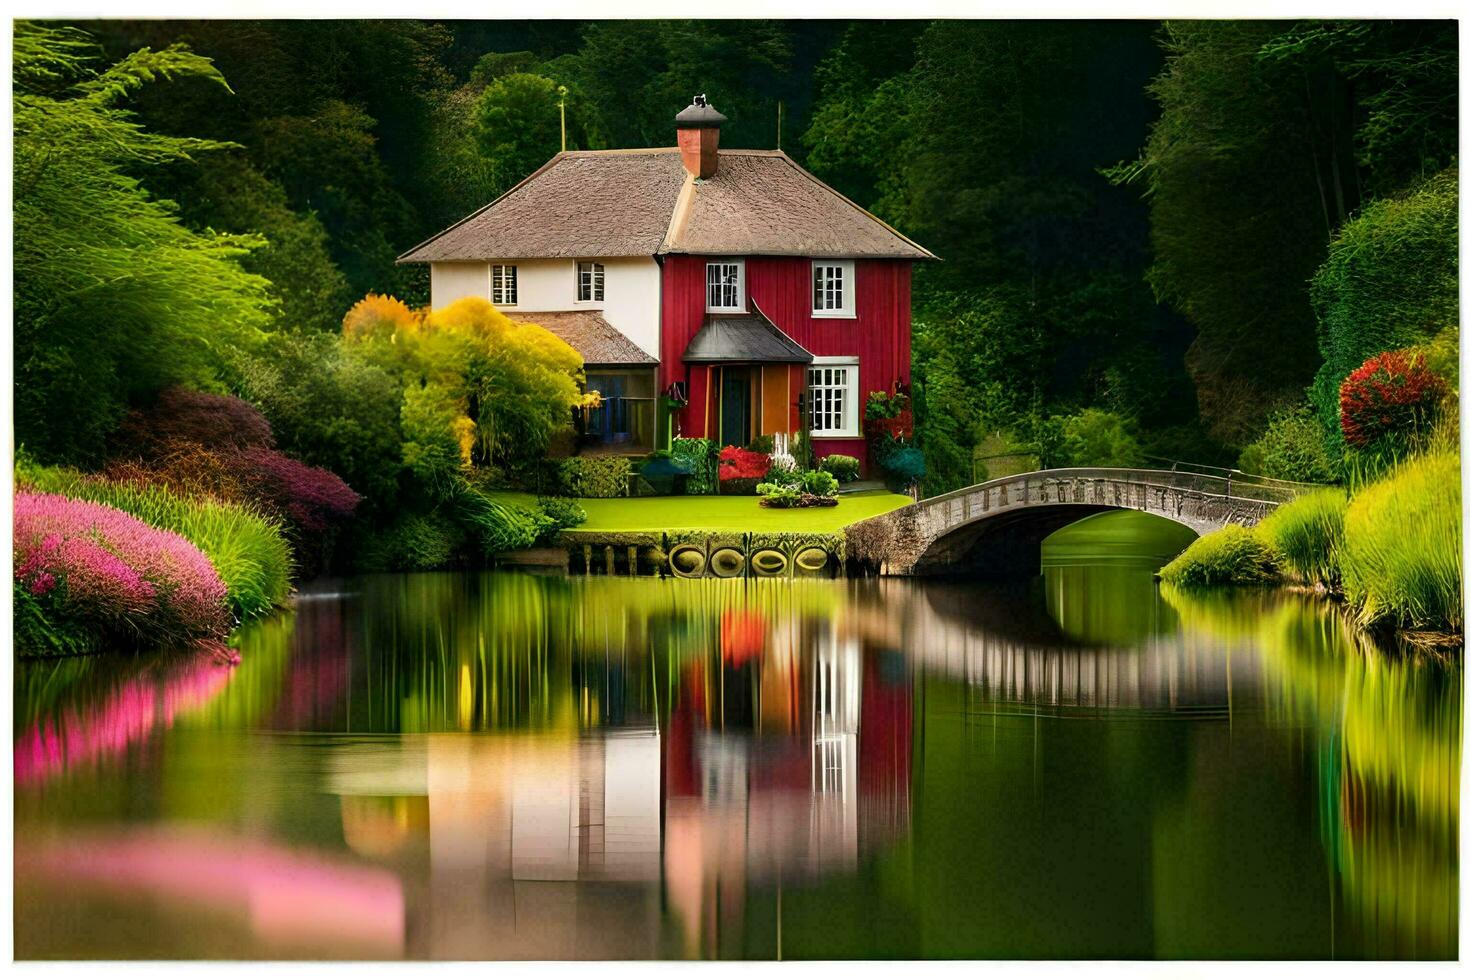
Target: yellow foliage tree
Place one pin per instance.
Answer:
(512, 386)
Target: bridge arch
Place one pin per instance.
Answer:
(996, 528)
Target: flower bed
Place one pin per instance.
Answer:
(89, 568)
(741, 470)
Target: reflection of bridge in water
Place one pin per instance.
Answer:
(1171, 673)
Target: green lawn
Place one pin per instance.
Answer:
(725, 513)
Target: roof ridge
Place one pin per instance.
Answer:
(851, 203)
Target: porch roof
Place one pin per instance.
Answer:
(588, 333)
(743, 338)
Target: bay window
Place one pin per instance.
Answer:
(833, 288)
(832, 388)
(724, 286)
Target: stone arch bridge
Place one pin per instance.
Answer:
(996, 528)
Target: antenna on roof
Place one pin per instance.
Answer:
(561, 104)
(778, 124)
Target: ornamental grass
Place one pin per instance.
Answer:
(248, 550)
(1233, 555)
(1307, 534)
(95, 573)
(1400, 558)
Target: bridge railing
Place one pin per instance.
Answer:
(1226, 484)
(1238, 476)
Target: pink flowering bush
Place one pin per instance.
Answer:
(81, 566)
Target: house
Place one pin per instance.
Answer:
(715, 293)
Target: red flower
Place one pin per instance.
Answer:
(1391, 394)
(742, 464)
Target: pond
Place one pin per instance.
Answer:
(504, 765)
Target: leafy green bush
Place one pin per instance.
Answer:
(905, 465)
(1233, 555)
(248, 550)
(413, 542)
(329, 408)
(1294, 446)
(596, 476)
(702, 457)
(845, 468)
(563, 513)
(818, 483)
(778, 495)
(1400, 557)
(1307, 534)
(782, 472)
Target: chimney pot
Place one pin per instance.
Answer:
(698, 127)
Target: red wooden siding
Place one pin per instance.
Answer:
(782, 287)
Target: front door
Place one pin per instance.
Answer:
(735, 406)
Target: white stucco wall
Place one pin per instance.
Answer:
(449, 281)
(630, 291)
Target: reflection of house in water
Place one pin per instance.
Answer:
(538, 847)
(555, 845)
(764, 808)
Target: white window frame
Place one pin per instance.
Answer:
(597, 286)
(509, 284)
(846, 278)
(739, 265)
(852, 411)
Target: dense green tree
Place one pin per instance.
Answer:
(114, 296)
(518, 125)
(1269, 138)
(637, 74)
(983, 141)
(226, 192)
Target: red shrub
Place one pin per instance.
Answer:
(743, 464)
(1392, 394)
(183, 415)
(308, 497)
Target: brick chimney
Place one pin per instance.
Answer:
(699, 137)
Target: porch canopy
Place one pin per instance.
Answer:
(743, 338)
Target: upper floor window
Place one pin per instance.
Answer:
(833, 285)
(589, 282)
(503, 285)
(724, 286)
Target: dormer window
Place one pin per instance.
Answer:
(833, 288)
(503, 285)
(589, 282)
(724, 286)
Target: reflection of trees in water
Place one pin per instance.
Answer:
(1387, 728)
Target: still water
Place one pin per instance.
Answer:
(466, 766)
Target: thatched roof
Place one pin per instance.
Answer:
(587, 333)
(612, 203)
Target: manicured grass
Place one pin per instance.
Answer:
(724, 513)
